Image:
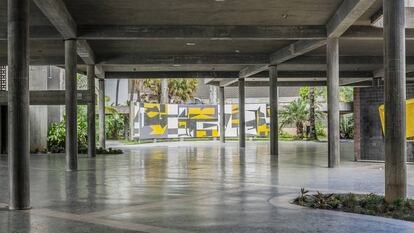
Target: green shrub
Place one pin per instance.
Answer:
(56, 138)
(368, 204)
(114, 126)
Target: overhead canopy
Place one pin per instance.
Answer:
(241, 37)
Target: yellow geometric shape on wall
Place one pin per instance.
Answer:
(409, 120)
(182, 124)
(215, 133)
(158, 129)
(263, 130)
(201, 133)
(201, 113)
(234, 109)
(148, 108)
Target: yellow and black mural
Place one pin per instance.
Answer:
(182, 120)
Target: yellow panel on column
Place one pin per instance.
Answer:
(410, 118)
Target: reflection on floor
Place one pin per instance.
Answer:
(194, 187)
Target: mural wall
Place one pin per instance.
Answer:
(183, 120)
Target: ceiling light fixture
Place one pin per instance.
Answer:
(190, 43)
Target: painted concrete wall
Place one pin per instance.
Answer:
(43, 78)
(183, 120)
(369, 141)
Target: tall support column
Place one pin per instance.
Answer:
(222, 115)
(91, 112)
(101, 106)
(273, 102)
(164, 91)
(18, 114)
(242, 112)
(71, 106)
(333, 102)
(395, 96)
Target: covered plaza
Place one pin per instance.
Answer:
(201, 187)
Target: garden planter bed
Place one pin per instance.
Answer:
(367, 204)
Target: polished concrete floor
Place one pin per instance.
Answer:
(195, 187)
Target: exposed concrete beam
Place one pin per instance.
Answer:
(171, 74)
(231, 74)
(252, 70)
(260, 59)
(161, 32)
(371, 33)
(53, 97)
(409, 69)
(346, 15)
(295, 50)
(85, 52)
(59, 16)
(283, 84)
(184, 59)
(229, 82)
(305, 76)
(358, 32)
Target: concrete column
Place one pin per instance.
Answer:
(131, 121)
(395, 97)
(91, 112)
(213, 94)
(273, 102)
(242, 112)
(164, 91)
(18, 115)
(333, 102)
(71, 106)
(222, 105)
(376, 81)
(101, 106)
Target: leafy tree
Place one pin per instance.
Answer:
(179, 90)
(310, 95)
(182, 90)
(346, 94)
(296, 112)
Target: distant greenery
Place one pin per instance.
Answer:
(296, 113)
(56, 138)
(179, 90)
(367, 204)
(346, 127)
(57, 134)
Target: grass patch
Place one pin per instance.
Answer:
(367, 204)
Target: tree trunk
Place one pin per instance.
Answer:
(299, 129)
(117, 92)
(312, 117)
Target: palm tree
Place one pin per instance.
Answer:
(295, 113)
(149, 90)
(182, 90)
